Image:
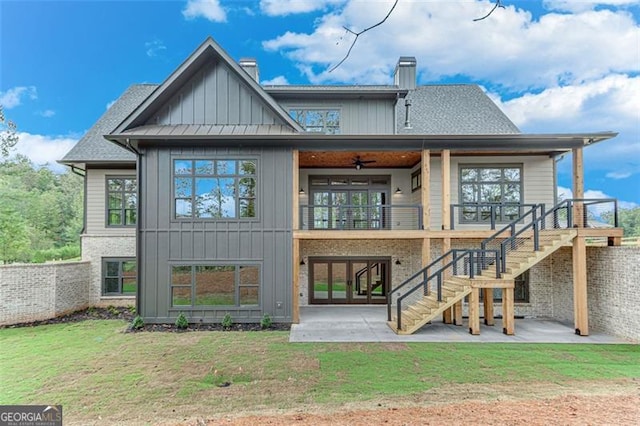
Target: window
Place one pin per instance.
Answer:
(215, 285)
(325, 121)
(121, 201)
(214, 189)
(119, 277)
(490, 184)
(416, 180)
(520, 292)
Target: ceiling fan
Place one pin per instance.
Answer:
(360, 163)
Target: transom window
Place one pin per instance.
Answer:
(214, 189)
(215, 285)
(119, 277)
(490, 184)
(325, 121)
(121, 201)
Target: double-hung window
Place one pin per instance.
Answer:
(121, 200)
(483, 185)
(214, 189)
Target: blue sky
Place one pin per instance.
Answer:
(554, 66)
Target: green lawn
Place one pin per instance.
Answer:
(94, 369)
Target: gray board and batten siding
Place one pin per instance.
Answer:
(264, 240)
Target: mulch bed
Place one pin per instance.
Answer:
(125, 313)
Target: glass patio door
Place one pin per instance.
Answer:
(348, 281)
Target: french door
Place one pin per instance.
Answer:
(348, 280)
(349, 209)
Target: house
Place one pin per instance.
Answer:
(211, 194)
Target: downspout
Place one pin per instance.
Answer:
(83, 174)
(138, 227)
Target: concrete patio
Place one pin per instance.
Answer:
(368, 324)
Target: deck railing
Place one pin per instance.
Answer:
(482, 214)
(360, 217)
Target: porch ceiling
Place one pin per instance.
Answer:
(344, 159)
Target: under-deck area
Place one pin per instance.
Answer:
(369, 324)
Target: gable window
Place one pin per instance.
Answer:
(490, 184)
(215, 285)
(121, 201)
(214, 189)
(119, 277)
(325, 121)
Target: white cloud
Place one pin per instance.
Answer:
(618, 175)
(47, 113)
(511, 48)
(154, 47)
(276, 81)
(208, 9)
(600, 105)
(14, 96)
(566, 193)
(290, 7)
(44, 150)
(582, 5)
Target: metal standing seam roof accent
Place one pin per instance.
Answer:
(93, 147)
(211, 130)
(452, 109)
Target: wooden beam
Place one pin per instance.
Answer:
(487, 296)
(474, 311)
(445, 158)
(426, 252)
(295, 296)
(578, 187)
(295, 191)
(426, 189)
(580, 306)
(508, 309)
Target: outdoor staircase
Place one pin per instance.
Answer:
(426, 295)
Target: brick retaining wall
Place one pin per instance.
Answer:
(42, 291)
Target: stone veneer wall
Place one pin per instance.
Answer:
(33, 292)
(94, 249)
(613, 289)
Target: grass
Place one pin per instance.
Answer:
(94, 369)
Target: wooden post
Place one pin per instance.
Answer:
(474, 311)
(445, 158)
(487, 296)
(457, 313)
(447, 315)
(426, 251)
(425, 192)
(578, 187)
(295, 222)
(580, 306)
(508, 309)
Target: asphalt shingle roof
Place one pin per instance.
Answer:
(452, 109)
(93, 147)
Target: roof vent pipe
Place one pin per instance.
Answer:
(250, 65)
(407, 108)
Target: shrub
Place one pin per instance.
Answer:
(266, 322)
(60, 253)
(181, 321)
(227, 321)
(132, 309)
(137, 323)
(113, 310)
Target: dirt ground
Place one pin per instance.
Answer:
(543, 404)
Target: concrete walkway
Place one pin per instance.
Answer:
(368, 324)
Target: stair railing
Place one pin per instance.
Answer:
(473, 260)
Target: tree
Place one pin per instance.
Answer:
(628, 219)
(14, 237)
(8, 134)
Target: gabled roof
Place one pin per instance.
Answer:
(452, 109)
(93, 147)
(208, 50)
